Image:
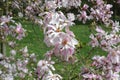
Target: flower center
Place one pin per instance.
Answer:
(58, 30)
(113, 54)
(64, 42)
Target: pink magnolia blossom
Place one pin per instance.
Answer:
(118, 1)
(66, 47)
(82, 16)
(94, 41)
(44, 71)
(71, 16)
(91, 77)
(20, 31)
(85, 7)
(5, 19)
(50, 5)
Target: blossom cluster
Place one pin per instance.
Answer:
(7, 29)
(12, 67)
(106, 40)
(82, 16)
(68, 3)
(101, 11)
(37, 7)
(108, 67)
(45, 71)
(63, 41)
(57, 35)
(56, 27)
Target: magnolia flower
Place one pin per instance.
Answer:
(21, 75)
(74, 3)
(44, 67)
(24, 50)
(66, 47)
(53, 21)
(68, 41)
(98, 61)
(85, 7)
(57, 19)
(7, 29)
(64, 42)
(113, 75)
(13, 52)
(91, 76)
(54, 77)
(49, 54)
(100, 30)
(108, 6)
(56, 22)
(116, 27)
(8, 77)
(99, 2)
(101, 11)
(65, 3)
(5, 19)
(114, 57)
(53, 38)
(118, 1)
(68, 3)
(71, 16)
(94, 41)
(11, 44)
(22, 67)
(50, 5)
(33, 57)
(70, 33)
(19, 28)
(20, 14)
(20, 31)
(82, 16)
(29, 8)
(39, 21)
(14, 67)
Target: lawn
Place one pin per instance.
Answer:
(34, 41)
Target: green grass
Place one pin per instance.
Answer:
(34, 41)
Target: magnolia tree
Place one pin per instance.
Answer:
(55, 18)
